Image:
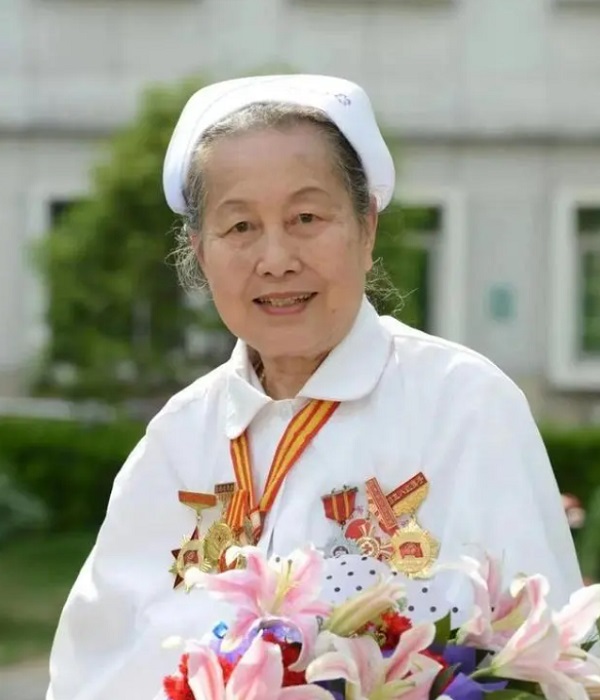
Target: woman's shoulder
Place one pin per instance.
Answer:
(446, 365)
(202, 396)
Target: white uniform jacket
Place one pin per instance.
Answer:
(410, 403)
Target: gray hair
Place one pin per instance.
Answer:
(255, 117)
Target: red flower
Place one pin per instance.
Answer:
(393, 626)
(176, 687)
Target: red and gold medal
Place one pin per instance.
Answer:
(415, 550)
(339, 505)
(407, 497)
(380, 507)
(191, 552)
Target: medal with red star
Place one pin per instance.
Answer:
(191, 552)
(189, 555)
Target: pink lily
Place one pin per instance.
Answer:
(543, 649)
(574, 622)
(578, 616)
(370, 676)
(257, 676)
(278, 589)
(497, 613)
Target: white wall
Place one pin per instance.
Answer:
(34, 172)
(450, 65)
(496, 100)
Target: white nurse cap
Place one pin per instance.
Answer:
(345, 103)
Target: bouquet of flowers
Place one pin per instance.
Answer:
(285, 643)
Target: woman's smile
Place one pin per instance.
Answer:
(284, 303)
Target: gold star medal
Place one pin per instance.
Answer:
(191, 552)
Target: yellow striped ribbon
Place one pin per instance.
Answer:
(297, 436)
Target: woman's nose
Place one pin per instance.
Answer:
(278, 254)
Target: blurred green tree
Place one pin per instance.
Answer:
(397, 285)
(120, 325)
(19, 511)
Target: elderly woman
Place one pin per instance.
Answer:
(386, 447)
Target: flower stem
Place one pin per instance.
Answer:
(482, 673)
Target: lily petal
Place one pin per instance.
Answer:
(494, 578)
(421, 682)
(530, 654)
(245, 620)
(333, 666)
(307, 574)
(557, 686)
(205, 676)
(308, 627)
(304, 692)
(368, 659)
(361, 664)
(579, 615)
(411, 642)
(258, 674)
(239, 587)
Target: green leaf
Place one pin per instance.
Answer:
(441, 680)
(512, 694)
(525, 687)
(443, 628)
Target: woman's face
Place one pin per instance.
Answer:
(281, 247)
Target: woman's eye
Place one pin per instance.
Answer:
(240, 227)
(306, 218)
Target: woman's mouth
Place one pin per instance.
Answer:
(284, 303)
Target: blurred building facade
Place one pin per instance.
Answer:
(496, 104)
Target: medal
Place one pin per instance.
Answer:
(339, 507)
(408, 497)
(340, 546)
(224, 493)
(198, 502)
(191, 553)
(367, 539)
(380, 507)
(219, 537)
(411, 550)
(414, 550)
(371, 545)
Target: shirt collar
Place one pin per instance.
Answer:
(350, 372)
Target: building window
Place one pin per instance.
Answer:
(574, 285)
(433, 276)
(58, 208)
(424, 233)
(588, 244)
